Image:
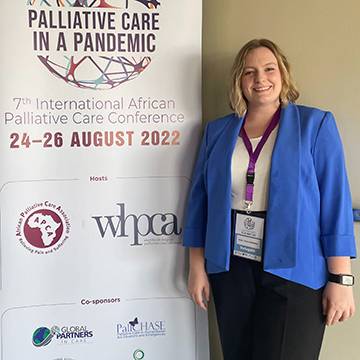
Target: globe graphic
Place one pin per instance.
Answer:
(93, 71)
(38, 235)
(42, 336)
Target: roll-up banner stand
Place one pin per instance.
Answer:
(100, 124)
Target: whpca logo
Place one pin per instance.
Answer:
(153, 228)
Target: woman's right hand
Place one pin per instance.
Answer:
(198, 282)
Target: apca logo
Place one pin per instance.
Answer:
(43, 227)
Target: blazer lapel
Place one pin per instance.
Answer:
(220, 158)
(282, 218)
(219, 189)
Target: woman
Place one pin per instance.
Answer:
(269, 219)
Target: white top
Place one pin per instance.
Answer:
(239, 165)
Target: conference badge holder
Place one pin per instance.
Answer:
(248, 236)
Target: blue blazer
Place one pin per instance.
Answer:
(309, 215)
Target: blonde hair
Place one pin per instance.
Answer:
(289, 92)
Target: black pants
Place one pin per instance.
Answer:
(264, 317)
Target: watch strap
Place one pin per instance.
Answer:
(343, 279)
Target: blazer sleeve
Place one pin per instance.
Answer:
(196, 213)
(336, 218)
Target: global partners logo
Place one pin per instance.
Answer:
(42, 336)
(74, 334)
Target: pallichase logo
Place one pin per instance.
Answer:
(123, 225)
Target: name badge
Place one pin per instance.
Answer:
(249, 234)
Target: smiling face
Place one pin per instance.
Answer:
(261, 78)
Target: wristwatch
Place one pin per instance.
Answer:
(343, 279)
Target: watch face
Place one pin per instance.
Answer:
(347, 280)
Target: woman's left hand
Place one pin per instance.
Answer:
(338, 303)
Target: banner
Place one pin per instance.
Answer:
(100, 123)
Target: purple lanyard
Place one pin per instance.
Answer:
(253, 155)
